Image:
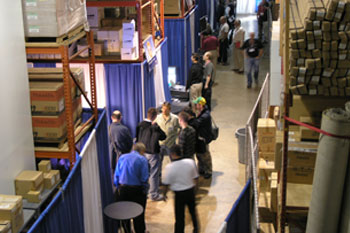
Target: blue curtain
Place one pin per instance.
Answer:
(196, 29)
(175, 31)
(124, 92)
(65, 213)
(44, 65)
(238, 219)
(105, 171)
(189, 43)
(150, 98)
(165, 65)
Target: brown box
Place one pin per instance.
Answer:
(266, 143)
(301, 158)
(27, 181)
(46, 97)
(273, 190)
(5, 226)
(45, 166)
(34, 196)
(269, 156)
(172, 7)
(9, 211)
(306, 133)
(266, 127)
(49, 127)
(278, 149)
(49, 180)
(265, 169)
(300, 175)
(57, 175)
(12, 199)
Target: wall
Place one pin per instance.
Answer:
(16, 142)
(275, 66)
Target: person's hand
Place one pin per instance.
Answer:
(206, 86)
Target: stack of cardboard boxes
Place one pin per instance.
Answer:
(51, 177)
(130, 49)
(11, 213)
(47, 103)
(319, 47)
(30, 185)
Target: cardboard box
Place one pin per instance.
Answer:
(129, 28)
(306, 133)
(49, 180)
(8, 211)
(278, 149)
(265, 169)
(46, 97)
(49, 127)
(34, 196)
(273, 191)
(12, 199)
(5, 226)
(300, 175)
(98, 49)
(128, 54)
(266, 143)
(301, 158)
(27, 181)
(94, 16)
(131, 41)
(57, 175)
(266, 127)
(110, 34)
(269, 156)
(172, 7)
(44, 166)
(112, 47)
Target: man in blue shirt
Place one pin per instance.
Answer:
(119, 137)
(131, 179)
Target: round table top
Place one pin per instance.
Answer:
(123, 210)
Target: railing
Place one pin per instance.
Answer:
(260, 110)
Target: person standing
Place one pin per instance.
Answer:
(131, 179)
(223, 40)
(181, 175)
(207, 78)
(169, 124)
(120, 140)
(211, 44)
(202, 124)
(253, 52)
(262, 16)
(195, 78)
(238, 55)
(149, 133)
(187, 136)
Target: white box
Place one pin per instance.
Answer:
(94, 16)
(129, 28)
(115, 35)
(102, 35)
(130, 41)
(111, 47)
(128, 53)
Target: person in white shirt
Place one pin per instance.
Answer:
(238, 40)
(181, 175)
(223, 41)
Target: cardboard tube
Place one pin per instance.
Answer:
(330, 172)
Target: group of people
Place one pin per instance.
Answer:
(138, 166)
(246, 53)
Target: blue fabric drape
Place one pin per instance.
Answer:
(44, 65)
(150, 99)
(124, 92)
(165, 65)
(65, 213)
(105, 171)
(238, 219)
(189, 43)
(175, 31)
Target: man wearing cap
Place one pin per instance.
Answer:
(202, 124)
(119, 137)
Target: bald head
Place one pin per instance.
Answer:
(207, 56)
(116, 116)
(252, 35)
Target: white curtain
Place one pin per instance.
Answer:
(158, 79)
(93, 221)
(100, 82)
(246, 7)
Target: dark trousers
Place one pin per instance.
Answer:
(223, 51)
(183, 198)
(135, 194)
(206, 93)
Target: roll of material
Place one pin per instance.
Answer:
(344, 226)
(330, 172)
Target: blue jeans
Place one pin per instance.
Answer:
(154, 169)
(252, 64)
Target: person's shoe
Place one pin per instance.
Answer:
(235, 70)
(225, 64)
(249, 86)
(160, 197)
(207, 176)
(241, 72)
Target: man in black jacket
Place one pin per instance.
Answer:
(195, 77)
(187, 136)
(202, 124)
(149, 133)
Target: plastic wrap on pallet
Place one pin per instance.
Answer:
(344, 226)
(330, 172)
(52, 18)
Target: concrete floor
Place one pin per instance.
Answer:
(232, 103)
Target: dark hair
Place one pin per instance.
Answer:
(195, 56)
(206, 33)
(184, 116)
(167, 104)
(117, 116)
(189, 111)
(176, 149)
(139, 147)
(151, 113)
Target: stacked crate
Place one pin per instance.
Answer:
(11, 213)
(51, 177)
(30, 185)
(130, 49)
(320, 47)
(48, 106)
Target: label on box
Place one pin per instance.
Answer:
(311, 46)
(32, 16)
(300, 61)
(302, 70)
(327, 74)
(301, 80)
(338, 15)
(312, 92)
(315, 79)
(34, 29)
(317, 23)
(53, 180)
(31, 3)
(341, 27)
(320, 13)
(318, 33)
(342, 56)
(342, 46)
(341, 5)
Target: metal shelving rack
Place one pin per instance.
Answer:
(62, 49)
(183, 12)
(140, 5)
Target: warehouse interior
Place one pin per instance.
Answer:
(280, 162)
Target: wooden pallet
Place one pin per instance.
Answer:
(65, 39)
